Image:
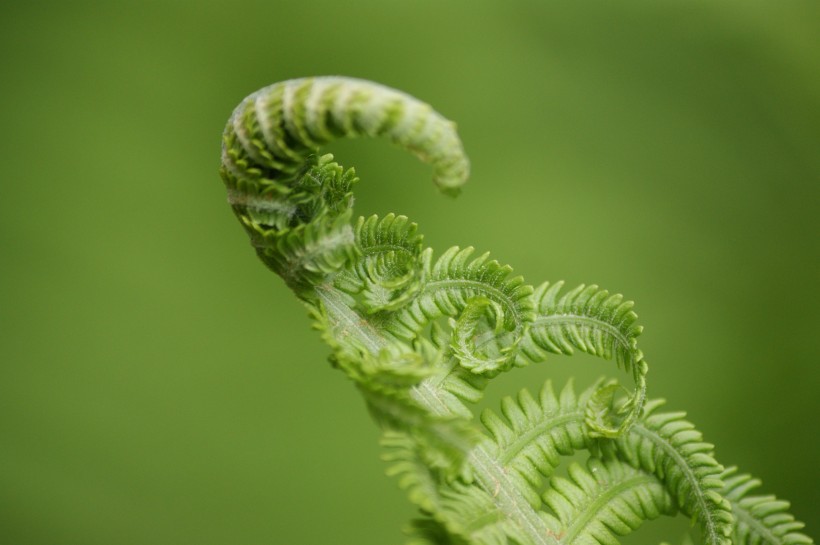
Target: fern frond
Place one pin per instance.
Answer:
(591, 320)
(455, 282)
(759, 520)
(380, 301)
(532, 435)
(471, 512)
(608, 498)
(388, 274)
(525, 444)
(454, 279)
(585, 318)
(668, 446)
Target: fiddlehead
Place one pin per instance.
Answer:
(589, 319)
(421, 337)
(295, 204)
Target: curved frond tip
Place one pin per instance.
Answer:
(273, 130)
(590, 319)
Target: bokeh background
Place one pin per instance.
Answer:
(159, 386)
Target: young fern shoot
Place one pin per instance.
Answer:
(421, 336)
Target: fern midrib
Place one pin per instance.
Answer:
(595, 323)
(494, 480)
(587, 514)
(426, 394)
(711, 530)
(353, 323)
(437, 383)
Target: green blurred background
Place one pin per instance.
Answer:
(159, 386)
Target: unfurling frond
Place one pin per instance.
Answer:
(421, 338)
(274, 129)
(456, 278)
(389, 274)
(493, 308)
(591, 320)
(668, 446)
